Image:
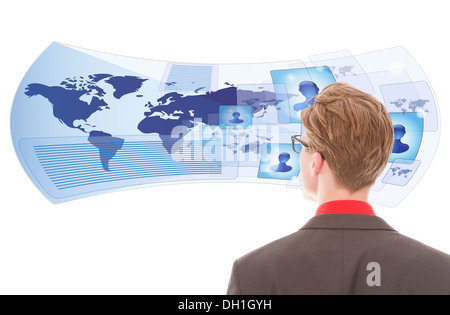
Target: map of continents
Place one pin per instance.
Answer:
(173, 110)
(70, 109)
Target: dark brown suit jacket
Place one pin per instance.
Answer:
(342, 254)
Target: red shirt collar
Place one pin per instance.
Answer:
(345, 207)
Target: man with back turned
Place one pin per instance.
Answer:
(345, 248)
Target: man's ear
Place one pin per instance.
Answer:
(317, 163)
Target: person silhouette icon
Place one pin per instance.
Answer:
(282, 167)
(236, 119)
(399, 146)
(309, 90)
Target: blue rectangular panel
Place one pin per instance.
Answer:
(302, 85)
(180, 77)
(408, 131)
(401, 172)
(235, 116)
(279, 161)
(412, 97)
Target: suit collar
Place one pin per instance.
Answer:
(347, 221)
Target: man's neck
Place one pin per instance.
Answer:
(327, 194)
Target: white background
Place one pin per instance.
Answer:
(183, 238)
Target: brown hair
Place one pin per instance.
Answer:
(353, 130)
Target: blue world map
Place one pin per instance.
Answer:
(71, 108)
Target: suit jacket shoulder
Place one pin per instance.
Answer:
(340, 254)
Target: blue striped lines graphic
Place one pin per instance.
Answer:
(77, 165)
(184, 76)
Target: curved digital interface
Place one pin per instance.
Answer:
(85, 122)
